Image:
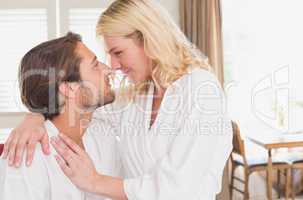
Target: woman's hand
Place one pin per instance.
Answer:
(79, 168)
(26, 136)
(75, 163)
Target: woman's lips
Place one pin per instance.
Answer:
(126, 72)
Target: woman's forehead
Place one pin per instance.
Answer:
(115, 42)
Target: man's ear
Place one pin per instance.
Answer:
(68, 90)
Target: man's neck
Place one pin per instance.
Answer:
(72, 124)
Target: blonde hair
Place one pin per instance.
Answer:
(164, 43)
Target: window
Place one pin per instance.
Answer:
(84, 21)
(26, 24)
(263, 66)
(21, 27)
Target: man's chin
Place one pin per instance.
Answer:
(109, 99)
(105, 100)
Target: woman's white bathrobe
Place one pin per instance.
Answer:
(181, 157)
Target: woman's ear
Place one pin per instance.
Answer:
(68, 90)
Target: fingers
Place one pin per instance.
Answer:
(63, 150)
(19, 151)
(12, 150)
(63, 165)
(71, 144)
(30, 152)
(7, 145)
(29, 132)
(31, 147)
(45, 144)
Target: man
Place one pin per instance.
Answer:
(63, 80)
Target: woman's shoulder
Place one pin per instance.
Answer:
(197, 77)
(200, 74)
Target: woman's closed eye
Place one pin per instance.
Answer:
(118, 53)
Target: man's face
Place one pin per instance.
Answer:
(95, 89)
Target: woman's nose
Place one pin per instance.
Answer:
(115, 64)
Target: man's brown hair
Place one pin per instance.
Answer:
(42, 70)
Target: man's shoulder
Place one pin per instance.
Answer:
(25, 177)
(38, 164)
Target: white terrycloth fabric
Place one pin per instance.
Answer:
(43, 180)
(181, 157)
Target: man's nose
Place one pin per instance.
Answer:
(108, 71)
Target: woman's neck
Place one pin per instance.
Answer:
(159, 90)
(157, 100)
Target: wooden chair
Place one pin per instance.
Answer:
(239, 158)
(296, 164)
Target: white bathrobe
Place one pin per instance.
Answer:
(43, 180)
(181, 157)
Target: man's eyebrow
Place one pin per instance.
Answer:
(94, 59)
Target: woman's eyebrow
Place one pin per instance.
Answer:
(112, 49)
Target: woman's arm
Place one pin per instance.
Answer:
(79, 168)
(193, 166)
(25, 137)
(201, 143)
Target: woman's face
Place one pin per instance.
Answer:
(128, 55)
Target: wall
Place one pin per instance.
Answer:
(173, 8)
(10, 120)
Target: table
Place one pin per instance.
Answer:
(275, 141)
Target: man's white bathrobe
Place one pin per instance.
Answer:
(43, 180)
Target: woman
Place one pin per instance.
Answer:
(173, 135)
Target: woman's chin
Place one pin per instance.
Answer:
(137, 80)
(133, 80)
